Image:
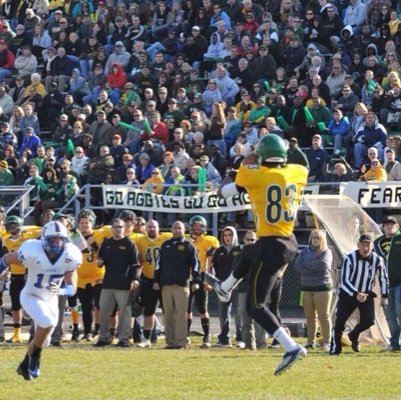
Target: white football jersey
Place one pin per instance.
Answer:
(41, 271)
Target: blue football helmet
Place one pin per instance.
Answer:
(51, 233)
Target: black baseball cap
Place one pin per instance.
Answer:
(390, 219)
(365, 237)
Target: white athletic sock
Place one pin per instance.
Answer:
(228, 284)
(285, 340)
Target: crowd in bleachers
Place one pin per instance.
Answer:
(171, 95)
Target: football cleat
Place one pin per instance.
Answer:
(206, 342)
(15, 339)
(34, 367)
(23, 369)
(144, 344)
(289, 359)
(215, 283)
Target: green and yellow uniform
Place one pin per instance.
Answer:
(89, 272)
(206, 245)
(149, 252)
(275, 194)
(13, 244)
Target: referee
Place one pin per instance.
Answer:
(356, 291)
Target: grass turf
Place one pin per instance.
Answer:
(84, 372)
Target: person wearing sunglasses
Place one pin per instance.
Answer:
(120, 257)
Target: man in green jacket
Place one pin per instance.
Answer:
(389, 247)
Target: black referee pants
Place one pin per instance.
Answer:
(345, 307)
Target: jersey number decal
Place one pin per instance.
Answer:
(91, 255)
(280, 204)
(52, 278)
(152, 255)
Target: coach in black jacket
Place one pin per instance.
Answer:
(356, 291)
(120, 257)
(178, 259)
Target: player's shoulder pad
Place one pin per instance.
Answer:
(166, 235)
(32, 245)
(212, 240)
(72, 253)
(29, 249)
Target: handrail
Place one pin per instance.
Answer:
(23, 200)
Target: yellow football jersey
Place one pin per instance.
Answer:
(274, 194)
(106, 230)
(135, 237)
(149, 252)
(89, 272)
(205, 244)
(31, 232)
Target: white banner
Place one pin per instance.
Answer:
(373, 194)
(126, 197)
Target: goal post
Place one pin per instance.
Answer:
(344, 221)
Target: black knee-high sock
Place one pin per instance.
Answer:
(189, 323)
(36, 352)
(205, 326)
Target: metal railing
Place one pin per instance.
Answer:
(22, 202)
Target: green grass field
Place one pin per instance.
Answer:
(83, 372)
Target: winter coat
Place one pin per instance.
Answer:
(78, 84)
(228, 88)
(371, 135)
(340, 128)
(116, 81)
(26, 65)
(317, 160)
(209, 98)
(214, 49)
(224, 256)
(314, 269)
(377, 174)
(114, 58)
(355, 15)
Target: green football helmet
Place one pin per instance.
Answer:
(136, 307)
(198, 219)
(271, 148)
(13, 220)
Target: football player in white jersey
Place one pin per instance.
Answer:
(49, 261)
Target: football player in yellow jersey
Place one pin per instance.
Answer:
(274, 190)
(205, 245)
(15, 236)
(149, 251)
(90, 276)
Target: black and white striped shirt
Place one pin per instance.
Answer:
(358, 275)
